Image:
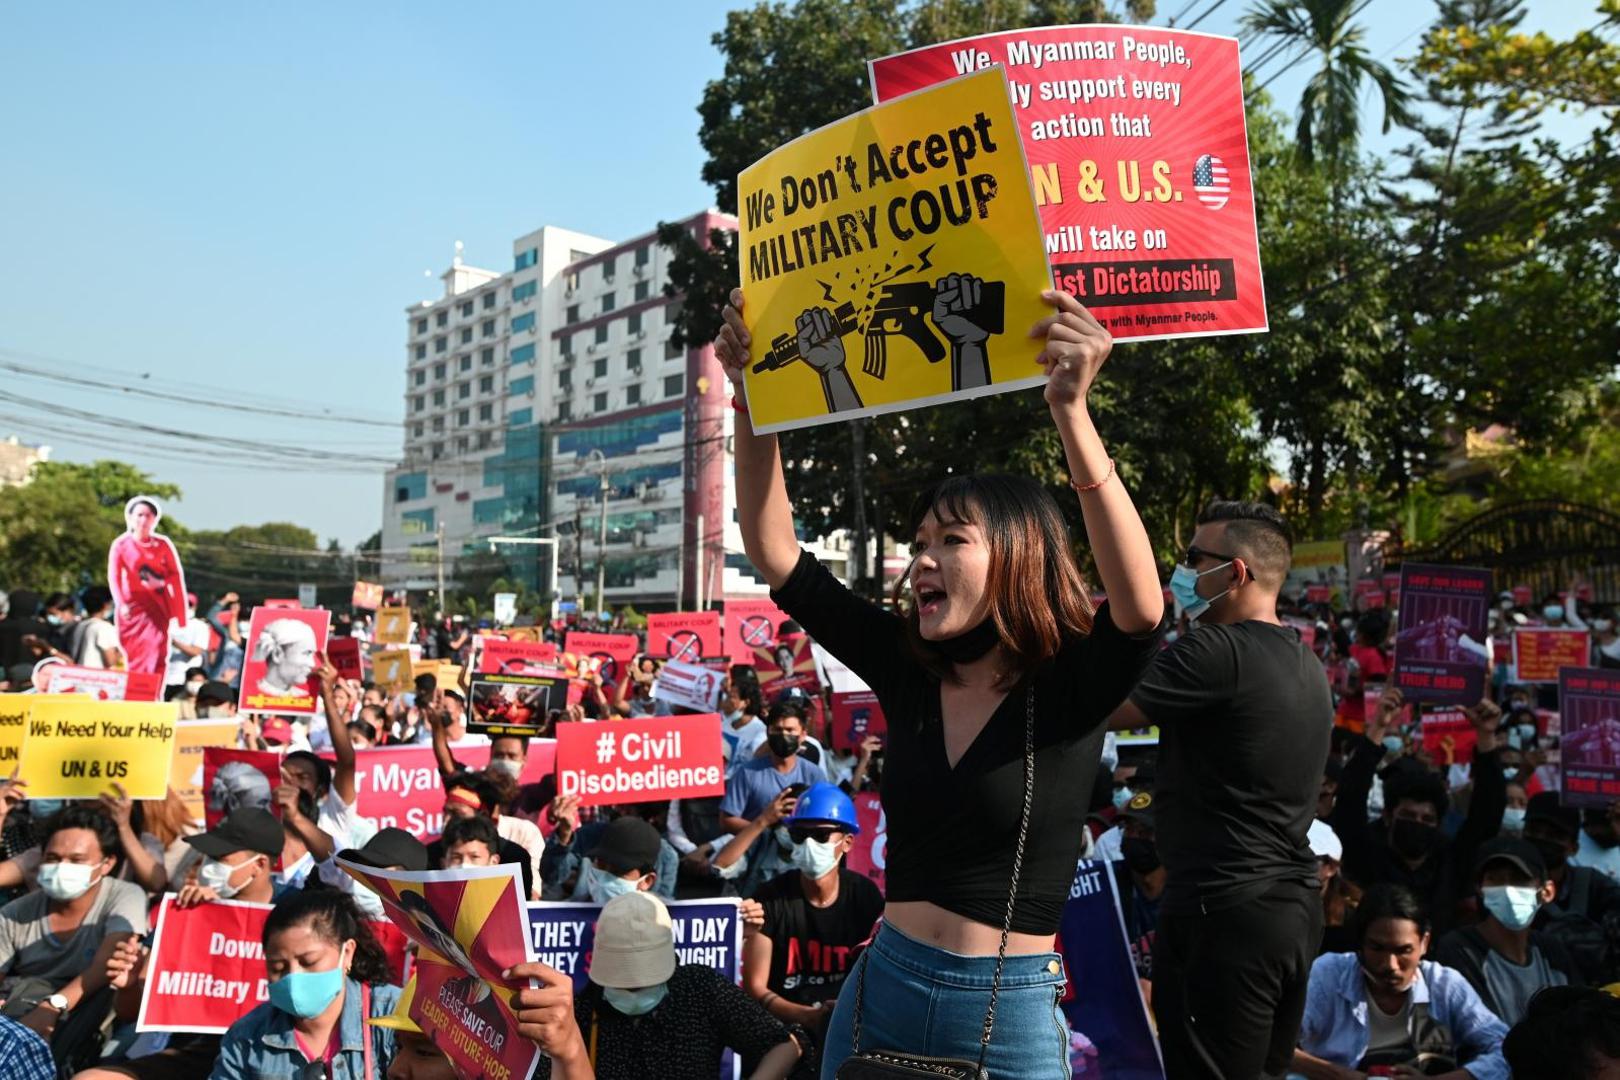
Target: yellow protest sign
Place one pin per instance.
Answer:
(13, 714)
(393, 626)
(76, 748)
(192, 737)
(391, 670)
(892, 259)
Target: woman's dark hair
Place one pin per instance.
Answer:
(91, 818)
(331, 914)
(461, 830)
(1037, 597)
(1385, 901)
(142, 502)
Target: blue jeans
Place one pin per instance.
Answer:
(923, 1000)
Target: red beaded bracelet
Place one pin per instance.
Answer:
(739, 406)
(1081, 489)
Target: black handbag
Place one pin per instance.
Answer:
(895, 1065)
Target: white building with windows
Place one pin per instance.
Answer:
(528, 393)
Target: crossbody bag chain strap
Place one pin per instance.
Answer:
(1012, 895)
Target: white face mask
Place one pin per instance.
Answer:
(66, 881)
(511, 768)
(216, 875)
(815, 858)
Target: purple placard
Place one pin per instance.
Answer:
(1441, 650)
(1589, 709)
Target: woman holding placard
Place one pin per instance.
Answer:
(997, 677)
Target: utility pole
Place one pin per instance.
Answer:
(442, 607)
(579, 557)
(702, 554)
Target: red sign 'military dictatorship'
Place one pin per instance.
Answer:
(1138, 151)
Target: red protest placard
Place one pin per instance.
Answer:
(1539, 653)
(870, 853)
(684, 635)
(1139, 154)
(751, 624)
(501, 657)
(399, 786)
(640, 760)
(233, 779)
(1449, 737)
(788, 664)
(612, 652)
(278, 670)
(103, 684)
(206, 970)
(344, 652)
(855, 715)
(1318, 594)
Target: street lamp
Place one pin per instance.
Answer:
(549, 541)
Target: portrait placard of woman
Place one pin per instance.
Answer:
(148, 587)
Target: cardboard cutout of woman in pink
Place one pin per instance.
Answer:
(148, 587)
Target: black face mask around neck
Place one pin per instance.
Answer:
(967, 647)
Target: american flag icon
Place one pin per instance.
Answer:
(1211, 182)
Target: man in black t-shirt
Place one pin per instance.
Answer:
(1244, 714)
(815, 915)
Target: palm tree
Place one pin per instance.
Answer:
(1329, 112)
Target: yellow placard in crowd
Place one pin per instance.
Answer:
(892, 259)
(391, 670)
(393, 626)
(13, 715)
(75, 747)
(190, 740)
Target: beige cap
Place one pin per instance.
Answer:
(635, 943)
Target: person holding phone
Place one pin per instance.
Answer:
(758, 781)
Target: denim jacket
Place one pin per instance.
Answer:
(1335, 1027)
(263, 1046)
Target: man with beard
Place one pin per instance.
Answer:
(1584, 916)
(1405, 845)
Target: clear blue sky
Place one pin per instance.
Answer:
(234, 204)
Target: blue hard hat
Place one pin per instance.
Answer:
(825, 804)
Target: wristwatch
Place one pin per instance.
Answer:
(59, 1002)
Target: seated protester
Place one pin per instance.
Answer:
(571, 850)
(54, 943)
(1139, 782)
(1139, 880)
(507, 756)
(469, 841)
(139, 858)
(1584, 916)
(814, 917)
(1406, 846)
(1518, 801)
(1599, 841)
(1385, 1006)
(24, 1054)
(327, 975)
(1567, 1034)
(363, 734)
(239, 853)
(416, 1057)
(741, 727)
(624, 858)
(1339, 894)
(756, 783)
(331, 786)
(642, 1015)
(467, 794)
(1501, 957)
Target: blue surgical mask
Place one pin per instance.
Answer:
(1553, 612)
(1513, 819)
(1122, 796)
(635, 1002)
(306, 994)
(604, 886)
(1514, 906)
(44, 808)
(1393, 743)
(1184, 590)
